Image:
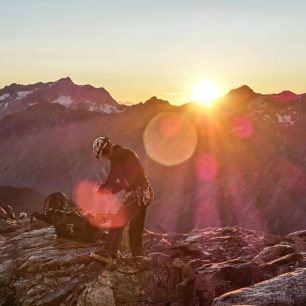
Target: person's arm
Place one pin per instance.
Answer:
(113, 184)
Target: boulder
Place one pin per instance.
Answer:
(272, 252)
(284, 290)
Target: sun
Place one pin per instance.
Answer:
(205, 92)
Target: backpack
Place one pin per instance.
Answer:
(74, 225)
(53, 202)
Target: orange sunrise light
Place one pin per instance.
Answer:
(205, 92)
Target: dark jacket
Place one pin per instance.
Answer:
(126, 172)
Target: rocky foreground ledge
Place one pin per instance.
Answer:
(213, 266)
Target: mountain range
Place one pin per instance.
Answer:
(15, 98)
(247, 166)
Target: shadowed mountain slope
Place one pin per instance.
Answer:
(22, 199)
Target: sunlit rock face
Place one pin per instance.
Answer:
(219, 266)
(239, 163)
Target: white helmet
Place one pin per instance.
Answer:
(22, 216)
(99, 144)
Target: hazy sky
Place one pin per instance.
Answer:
(140, 48)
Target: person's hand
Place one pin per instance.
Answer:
(103, 191)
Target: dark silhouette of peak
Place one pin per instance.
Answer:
(64, 82)
(284, 97)
(155, 100)
(239, 96)
(66, 79)
(243, 90)
(151, 106)
(86, 91)
(12, 87)
(287, 93)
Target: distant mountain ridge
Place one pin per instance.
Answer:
(17, 97)
(14, 98)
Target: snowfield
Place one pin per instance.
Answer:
(105, 108)
(22, 94)
(285, 119)
(64, 100)
(5, 96)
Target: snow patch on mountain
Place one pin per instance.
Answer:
(259, 102)
(105, 108)
(64, 100)
(4, 105)
(285, 119)
(22, 94)
(5, 96)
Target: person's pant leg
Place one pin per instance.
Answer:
(135, 231)
(113, 240)
(124, 215)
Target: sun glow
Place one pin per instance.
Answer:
(205, 92)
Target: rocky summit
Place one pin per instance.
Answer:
(211, 266)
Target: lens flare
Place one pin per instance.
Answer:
(170, 139)
(207, 168)
(242, 127)
(97, 208)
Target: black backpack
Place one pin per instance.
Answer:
(74, 225)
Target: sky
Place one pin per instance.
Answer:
(137, 49)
